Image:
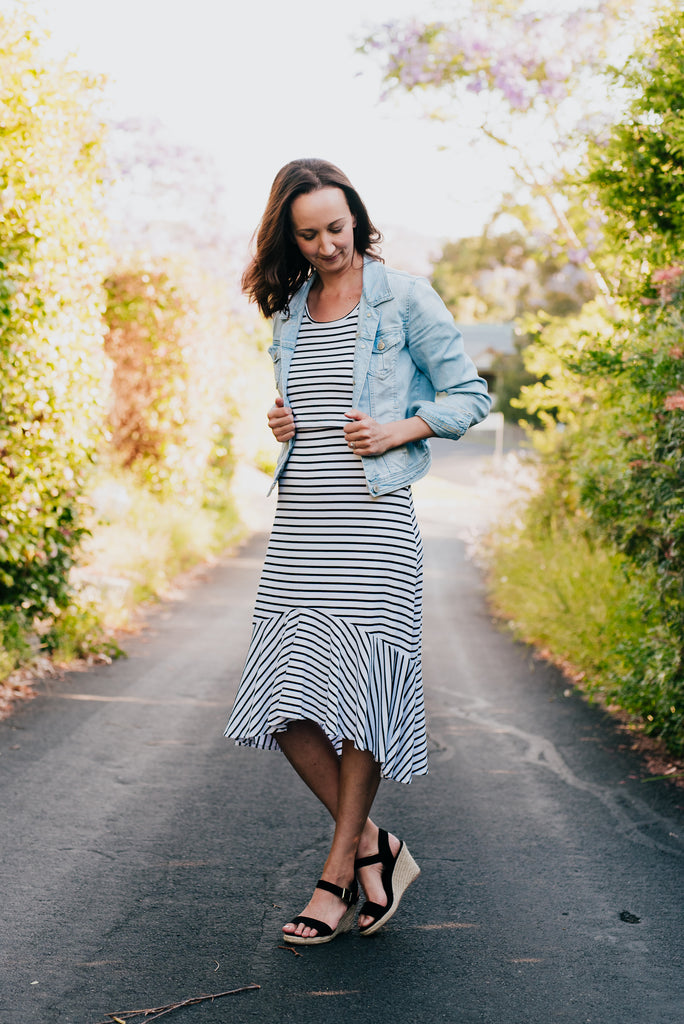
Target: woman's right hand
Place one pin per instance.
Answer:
(281, 421)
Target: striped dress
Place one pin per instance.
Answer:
(337, 623)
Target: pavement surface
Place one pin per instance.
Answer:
(146, 860)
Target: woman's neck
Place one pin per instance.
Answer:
(335, 285)
(334, 295)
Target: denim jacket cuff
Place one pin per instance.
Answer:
(452, 426)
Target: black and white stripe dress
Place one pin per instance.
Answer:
(337, 623)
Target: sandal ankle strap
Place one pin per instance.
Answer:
(347, 895)
(364, 862)
(383, 856)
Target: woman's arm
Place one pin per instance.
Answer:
(436, 347)
(371, 438)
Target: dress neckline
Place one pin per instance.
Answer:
(337, 320)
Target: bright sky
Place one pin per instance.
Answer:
(257, 83)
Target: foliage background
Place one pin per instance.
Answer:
(592, 569)
(612, 398)
(53, 370)
(123, 359)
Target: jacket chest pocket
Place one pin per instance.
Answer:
(384, 354)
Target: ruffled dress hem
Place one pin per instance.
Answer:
(305, 665)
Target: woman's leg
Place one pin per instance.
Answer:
(315, 760)
(346, 786)
(317, 763)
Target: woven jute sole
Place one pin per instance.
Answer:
(405, 871)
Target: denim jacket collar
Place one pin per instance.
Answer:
(376, 289)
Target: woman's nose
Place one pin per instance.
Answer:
(327, 245)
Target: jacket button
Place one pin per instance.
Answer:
(381, 345)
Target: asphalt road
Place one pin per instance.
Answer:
(145, 860)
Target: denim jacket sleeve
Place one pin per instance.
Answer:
(436, 347)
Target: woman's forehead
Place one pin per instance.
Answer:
(320, 207)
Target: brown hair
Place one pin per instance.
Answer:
(278, 269)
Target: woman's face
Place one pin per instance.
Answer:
(323, 228)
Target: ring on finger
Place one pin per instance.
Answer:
(352, 445)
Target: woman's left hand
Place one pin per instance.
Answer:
(366, 437)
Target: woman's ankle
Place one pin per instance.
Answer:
(368, 844)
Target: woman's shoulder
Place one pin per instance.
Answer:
(398, 283)
(404, 274)
(410, 290)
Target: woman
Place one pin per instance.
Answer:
(333, 674)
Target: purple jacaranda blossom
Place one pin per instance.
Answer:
(554, 91)
(578, 255)
(524, 57)
(477, 85)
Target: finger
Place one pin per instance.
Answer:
(278, 410)
(356, 428)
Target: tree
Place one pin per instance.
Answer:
(526, 80)
(498, 278)
(637, 166)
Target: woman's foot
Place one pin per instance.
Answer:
(370, 877)
(385, 873)
(331, 908)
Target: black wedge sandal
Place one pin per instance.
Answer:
(397, 874)
(349, 896)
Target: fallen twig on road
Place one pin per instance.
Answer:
(121, 1016)
(295, 951)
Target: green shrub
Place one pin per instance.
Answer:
(145, 316)
(606, 532)
(637, 169)
(175, 351)
(14, 646)
(589, 608)
(78, 631)
(52, 370)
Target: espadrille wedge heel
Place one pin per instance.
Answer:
(397, 874)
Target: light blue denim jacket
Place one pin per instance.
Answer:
(408, 349)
